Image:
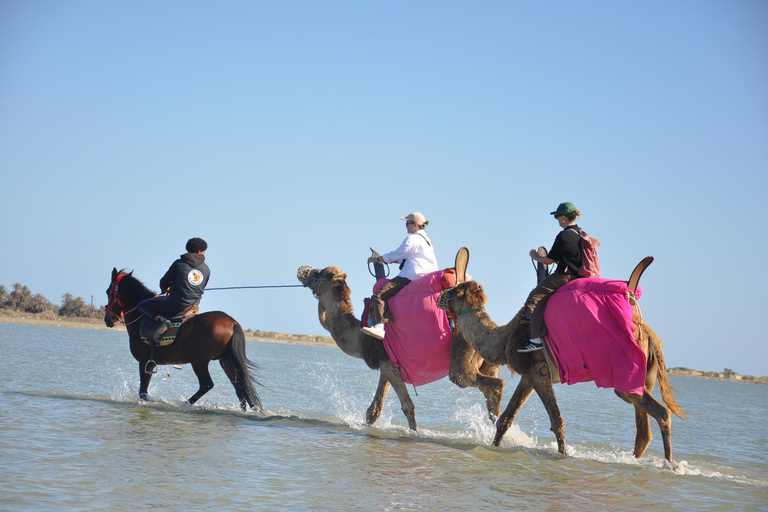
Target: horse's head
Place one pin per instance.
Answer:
(462, 297)
(123, 296)
(114, 309)
(322, 281)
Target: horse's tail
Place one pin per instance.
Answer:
(242, 370)
(656, 355)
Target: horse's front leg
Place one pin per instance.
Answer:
(144, 379)
(374, 411)
(393, 375)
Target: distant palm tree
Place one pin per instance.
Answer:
(19, 297)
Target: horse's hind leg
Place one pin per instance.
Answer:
(237, 381)
(204, 378)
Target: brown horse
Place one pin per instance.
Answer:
(202, 338)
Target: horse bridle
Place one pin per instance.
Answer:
(114, 299)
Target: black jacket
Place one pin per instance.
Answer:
(187, 278)
(567, 247)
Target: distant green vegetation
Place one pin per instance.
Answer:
(20, 298)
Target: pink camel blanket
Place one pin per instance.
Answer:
(418, 340)
(591, 335)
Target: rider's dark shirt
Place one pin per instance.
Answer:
(566, 246)
(187, 277)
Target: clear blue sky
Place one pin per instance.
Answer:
(297, 133)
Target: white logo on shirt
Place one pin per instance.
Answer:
(195, 277)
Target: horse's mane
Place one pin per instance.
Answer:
(136, 287)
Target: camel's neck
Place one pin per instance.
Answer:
(337, 318)
(488, 338)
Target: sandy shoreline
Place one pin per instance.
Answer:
(303, 339)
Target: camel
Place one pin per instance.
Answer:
(467, 368)
(498, 344)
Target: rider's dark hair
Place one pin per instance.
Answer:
(196, 245)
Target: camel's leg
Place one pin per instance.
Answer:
(468, 369)
(521, 394)
(644, 406)
(144, 379)
(542, 384)
(203, 378)
(651, 406)
(642, 420)
(644, 434)
(374, 411)
(392, 374)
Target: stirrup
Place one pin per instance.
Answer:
(154, 368)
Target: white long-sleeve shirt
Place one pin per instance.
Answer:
(418, 253)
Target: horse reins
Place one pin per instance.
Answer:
(114, 298)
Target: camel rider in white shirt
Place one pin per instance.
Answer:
(416, 256)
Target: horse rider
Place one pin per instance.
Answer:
(183, 285)
(566, 252)
(416, 256)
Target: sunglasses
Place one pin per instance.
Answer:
(409, 222)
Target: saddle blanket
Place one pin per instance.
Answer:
(168, 337)
(418, 339)
(591, 335)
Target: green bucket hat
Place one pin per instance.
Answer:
(564, 209)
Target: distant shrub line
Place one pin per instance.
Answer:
(20, 298)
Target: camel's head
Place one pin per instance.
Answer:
(329, 278)
(463, 297)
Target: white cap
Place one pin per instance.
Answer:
(416, 217)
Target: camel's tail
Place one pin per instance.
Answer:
(656, 352)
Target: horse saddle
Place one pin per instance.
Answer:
(170, 335)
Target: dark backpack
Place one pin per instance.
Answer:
(590, 264)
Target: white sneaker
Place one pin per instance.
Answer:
(377, 331)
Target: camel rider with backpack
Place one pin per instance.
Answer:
(566, 252)
(184, 284)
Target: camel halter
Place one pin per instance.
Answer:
(447, 295)
(306, 275)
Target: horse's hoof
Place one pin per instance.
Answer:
(144, 396)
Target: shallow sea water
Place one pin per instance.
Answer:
(74, 436)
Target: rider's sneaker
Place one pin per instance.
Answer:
(161, 329)
(377, 331)
(530, 347)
